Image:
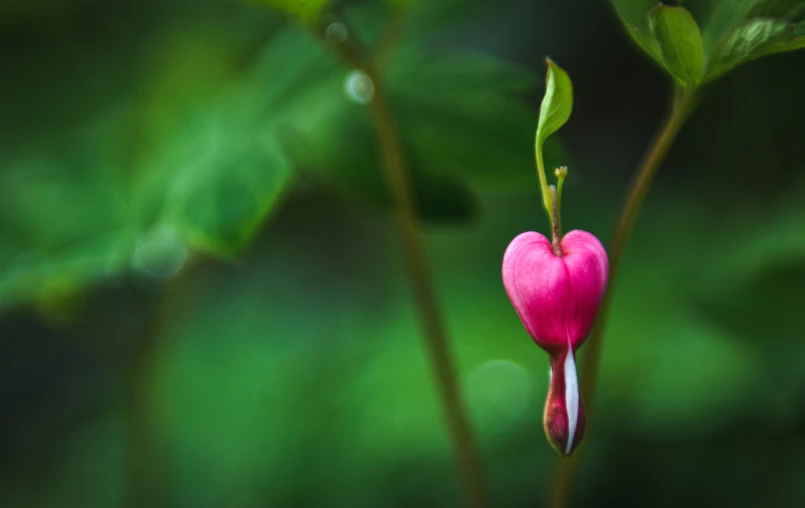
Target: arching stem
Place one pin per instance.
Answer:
(424, 293)
(682, 106)
(556, 240)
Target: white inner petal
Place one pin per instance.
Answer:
(571, 399)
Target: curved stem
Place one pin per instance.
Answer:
(543, 181)
(428, 307)
(431, 321)
(561, 174)
(556, 228)
(682, 107)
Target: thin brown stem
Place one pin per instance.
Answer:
(389, 38)
(683, 105)
(556, 228)
(428, 309)
(427, 304)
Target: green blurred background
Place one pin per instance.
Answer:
(203, 301)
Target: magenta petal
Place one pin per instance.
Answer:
(536, 281)
(588, 270)
(556, 297)
(564, 419)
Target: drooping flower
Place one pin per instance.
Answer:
(556, 291)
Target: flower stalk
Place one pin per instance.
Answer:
(682, 107)
(556, 288)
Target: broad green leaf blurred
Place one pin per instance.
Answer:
(214, 126)
(470, 120)
(723, 16)
(635, 12)
(176, 153)
(66, 223)
(461, 117)
(732, 32)
(634, 17)
(753, 39)
(645, 40)
(329, 133)
(223, 188)
(679, 42)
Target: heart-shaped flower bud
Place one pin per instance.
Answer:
(557, 290)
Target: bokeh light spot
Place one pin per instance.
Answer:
(359, 87)
(337, 32)
(160, 253)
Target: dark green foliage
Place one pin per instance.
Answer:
(294, 376)
(719, 35)
(217, 114)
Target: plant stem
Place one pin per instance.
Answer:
(389, 37)
(543, 182)
(428, 307)
(430, 317)
(561, 173)
(556, 228)
(682, 107)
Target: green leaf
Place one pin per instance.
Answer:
(634, 17)
(64, 220)
(39, 274)
(679, 42)
(634, 12)
(219, 198)
(557, 104)
(797, 13)
(645, 40)
(753, 39)
(333, 137)
(468, 126)
(723, 16)
(472, 119)
(209, 167)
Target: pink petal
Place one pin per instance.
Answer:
(537, 284)
(556, 298)
(588, 269)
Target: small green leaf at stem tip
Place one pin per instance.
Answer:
(680, 43)
(553, 114)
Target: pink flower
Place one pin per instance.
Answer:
(557, 295)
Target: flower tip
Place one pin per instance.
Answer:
(564, 419)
